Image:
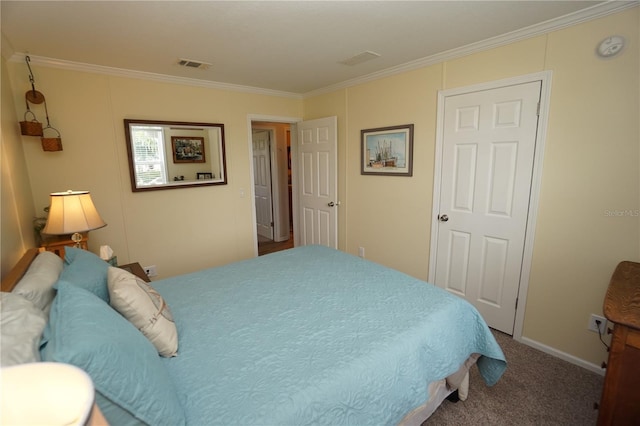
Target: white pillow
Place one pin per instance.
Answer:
(37, 283)
(21, 325)
(141, 304)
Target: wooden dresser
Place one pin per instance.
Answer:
(620, 402)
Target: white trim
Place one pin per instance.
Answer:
(143, 75)
(562, 355)
(252, 193)
(534, 201)
(437, 182)
(294, 184)
(593, 12)
(536, 178)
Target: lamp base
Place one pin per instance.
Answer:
(77, 238)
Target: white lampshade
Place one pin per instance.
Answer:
(45, 393)
(71, 212)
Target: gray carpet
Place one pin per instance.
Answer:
(536, 389)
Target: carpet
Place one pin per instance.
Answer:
(536, 389)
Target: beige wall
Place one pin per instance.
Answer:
(179, 230)
(591, 166)
(389, 216)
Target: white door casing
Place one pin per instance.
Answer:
(262, 183)
(317, 182)
(488, 151)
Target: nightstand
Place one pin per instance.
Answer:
(136, 270)
(57, 243)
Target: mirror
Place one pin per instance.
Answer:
(174, 154)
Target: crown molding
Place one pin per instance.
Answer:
(597, 11)
(588, 14)
(143, 75)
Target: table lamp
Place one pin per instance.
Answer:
(72, 212)
(46, 393)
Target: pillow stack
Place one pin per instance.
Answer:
(125, 367)
(133, 298)
(116, 345)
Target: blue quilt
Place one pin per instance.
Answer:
(313, 335)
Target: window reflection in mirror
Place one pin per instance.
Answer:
(172, 154)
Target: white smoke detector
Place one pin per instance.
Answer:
(360, 58)
(610, 46)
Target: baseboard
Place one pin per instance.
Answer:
(563, 355)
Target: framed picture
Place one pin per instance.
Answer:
(204, 176)
(387, 151)
(187, 149)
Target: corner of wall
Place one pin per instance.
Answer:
(16, 208)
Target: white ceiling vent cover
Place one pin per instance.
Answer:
(190, 63)
(360, 58)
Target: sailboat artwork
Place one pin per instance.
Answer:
(384, 155)
(388, 151)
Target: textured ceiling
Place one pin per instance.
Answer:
(290, 46)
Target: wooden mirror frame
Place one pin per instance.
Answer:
(201, 164)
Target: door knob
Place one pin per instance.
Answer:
(332, 204)
(443, 218)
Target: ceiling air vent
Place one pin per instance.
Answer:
(190, 63)
(360, 58)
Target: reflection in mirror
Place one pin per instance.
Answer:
(174, 154)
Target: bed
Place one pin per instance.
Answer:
(309, 335)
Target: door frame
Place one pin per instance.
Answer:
(536, 179)
(274, 119)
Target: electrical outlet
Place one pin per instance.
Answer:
(151, 271)
(361, 252)
(593, 326)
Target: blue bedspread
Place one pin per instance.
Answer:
(316, 336)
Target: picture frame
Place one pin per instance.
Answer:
(188, 149)
(387, 151)
(204, 175)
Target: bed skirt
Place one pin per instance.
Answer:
(439, 391)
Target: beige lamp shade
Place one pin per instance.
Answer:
(45, 393)
(71, 212)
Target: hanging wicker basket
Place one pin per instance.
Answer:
(51, 144)
(31, 128)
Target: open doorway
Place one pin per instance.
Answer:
(271, 144)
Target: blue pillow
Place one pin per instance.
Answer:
(85, 270)
(125, 367)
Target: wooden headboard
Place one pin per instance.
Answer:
(12, 278)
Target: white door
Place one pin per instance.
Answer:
(262, 183)
(487, 163)
(317, 182)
